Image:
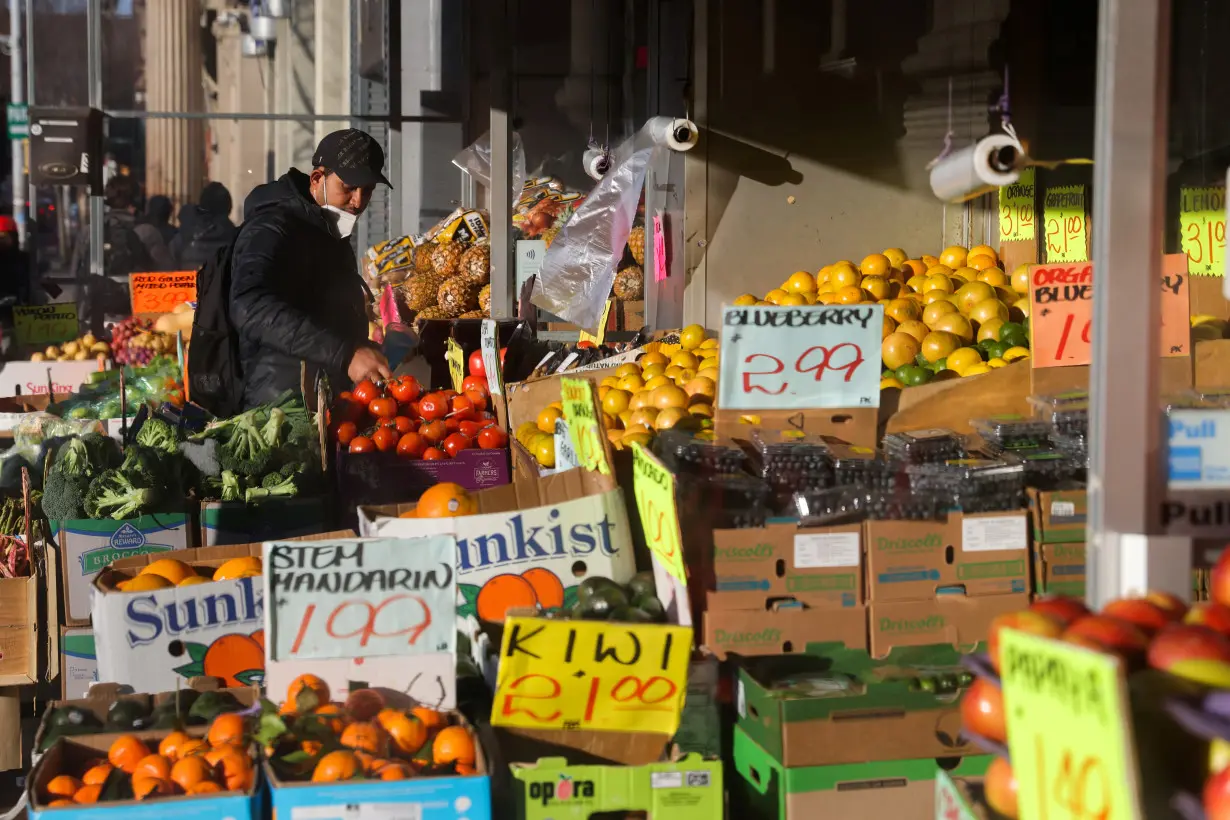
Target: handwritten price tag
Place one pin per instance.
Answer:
(800, 357)
(1061, 312)
(489, 342)
(659, 248)
(456, 363)
(654, 487)
(161, 292)
(361, 598)
(39, 325)
(565, 456)
(1202, 227)
(581, 413)
(599, 675)
(1067, 226)
(1016, 209)
(601, 334)
(1068, 730)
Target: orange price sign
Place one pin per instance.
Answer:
(1016, 209)
(1202, 229)
(654, 487)
(161, 292)
(1067, 226)
(603, 675)
(1061, 312)
(581, 413)
(1069, 730)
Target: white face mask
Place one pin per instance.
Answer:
(341, 222)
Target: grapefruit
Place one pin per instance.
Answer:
(914, 328)
(989, 330)
(899, 349)
(972, 293)
(902, 310)
(954, 256)
(938, 344)
(956, 324)
(875, 264)
(938, 282)
(1020, 279)
(798, 282)
(933, 311)
(843, 274)
(963, 358)
(877, 286)
(987, 310)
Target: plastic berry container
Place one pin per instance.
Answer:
(902, 505)
(1067, 413)
(736, 501)
(837, 505)
(1049, 467)
(790, 464)
(861, 468)
(922, 446)
(1012, 432)
(682, 452)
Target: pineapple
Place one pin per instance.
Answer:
(630, 284)
(446, 258)
(476, 264)
(433, 312)
(484, 300)
(422, 256)
(458, 295)
(636, 244)
(421, 290)
(471, 314)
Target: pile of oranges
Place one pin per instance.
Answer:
(171, 572)
(364, 738)
(179, 764)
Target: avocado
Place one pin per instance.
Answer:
(595, 584)
(126, 715)
(651, 606)
(630, 615)
(211, 704)
(73, 716)
(66, 730)
(642, 584)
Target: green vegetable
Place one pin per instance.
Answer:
(273, 486)
(159, 435)
(114, 495)
(64, 496)
(231, 491)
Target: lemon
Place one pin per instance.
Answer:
(976, 370)
(1012, 354)
(691, 337)
(996, 363)
(799, 281)
(891, 381)
(745, 299)
(964, 358)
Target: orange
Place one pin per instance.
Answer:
(844, 274)
(463, 769)
(143, 787)
(87, 794)
(234, 766)
(995, 277)
(126, 752)
(614, 402)
(546, 419)
(933, 311)
(331, 715)
(877, 286)
(502, 593)
(902, 310)
(226, 728)
(365, 737)
(193, 580)
(335, 767)
(237, 659)
(154, 765)
(446, 500)
(171, 569)
(97, 775)
(914, 328)
(189, 771)
(987, 310)
(972, 293)
(701, 386)
(939, 344)
(980, 261)
(258, 637)
(144, 583)
(63, 785)
(302, 685)
(311, 748)
(547, 587)
(59, 802)
(953, 256)
(453, 745)
(238, 568)
(875, 264)
(192, 746)
(395, 771)
(408, 733)
(798, 282)
(433, 720)
(984, 250)
(899, 349)
(957, 325)
(204, 787)
(669, 395)
(895, 256)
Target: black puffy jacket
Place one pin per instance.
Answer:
(296, 294)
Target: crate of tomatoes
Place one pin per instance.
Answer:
(393, 440)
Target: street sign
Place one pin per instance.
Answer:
(19, 120)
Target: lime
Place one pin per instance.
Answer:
(936, 367)
(1014, 334)
(995, 350)
(913, 375)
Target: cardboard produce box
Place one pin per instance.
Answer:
(782, 629)
(1058, 516)
(956, 620)
(19, 631)
(274, 519)
(982, 554)
(1059, 569)
(900, 789)
(819, 566)
(686, 789)
(78, 662)
(840, 706)
(88, 546)
(386, 478)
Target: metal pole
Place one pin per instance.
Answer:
(32, 250)
(503, 265)
(94, 48)
(17, 94)
(1126, 481)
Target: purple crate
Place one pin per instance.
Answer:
(385, 478)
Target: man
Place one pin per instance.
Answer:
(124, 253)
(156, 232)
(296, 293)
(203, 229)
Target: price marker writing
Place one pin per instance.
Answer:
(456, 363)
(490, 345)
(601, 675)
(800, 357)
(38, 325)
(1068, 730)
(1016, 209)
(565, 456)
(1066, 225)
(1061, 312)
(581, 413)
(358, 598)
(1202, 229)
(161, 292)
(654, 487)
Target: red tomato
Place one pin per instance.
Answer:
(405, 390)
(433, 406)
(584, 345)
(383, 408)
(385, 439)
(477, 398)
(402, 424)
(365, 391)
(477, 367)
(345, 432)
(348, 410)
(462, 408)
(469, 428)
(457, 442)
(474, 383)
(362, 444)
(434, 454)
(345, 394)
(412, 410)
(448, 393)
(434, 431)
(452, 425)
(411, 445)
(492, 438)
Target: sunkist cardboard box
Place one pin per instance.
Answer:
(156, 639)
(78, 662)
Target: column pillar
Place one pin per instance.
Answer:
(174, 148)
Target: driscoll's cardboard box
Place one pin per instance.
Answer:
(1058, 516)
(821, 566)
(957, 620)
(984, 554)
(782, 628)
(1059, 569)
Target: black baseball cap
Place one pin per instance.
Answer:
(353, 155)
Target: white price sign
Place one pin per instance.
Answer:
(812, 356)
(565, 455)
(490, 345)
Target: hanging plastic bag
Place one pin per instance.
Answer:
(476, 161)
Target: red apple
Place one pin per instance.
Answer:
(1174, 606)
(1140, 612)
(1219, 579)
(1000, 784)
(1211, 614)
(1035, 623)
(1193, 652)
(982, 711)
(1110, 635)
(1064, 609)
(1217, 796)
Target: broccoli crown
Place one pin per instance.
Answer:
(272, 486)
(64, 496)
(159, 435)
(112, 494)
(231, 490)
(245, 451)
(104, 451)
(74, 458)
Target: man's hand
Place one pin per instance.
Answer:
(368, 363)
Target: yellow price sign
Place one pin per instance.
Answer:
(1202, 228)
(1016, 209)
(1068, 729)
(581, 413)
(597, 339)
(654, 487)
(456, 363)
(1067, 226)
(601, 675)
(39, 325)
